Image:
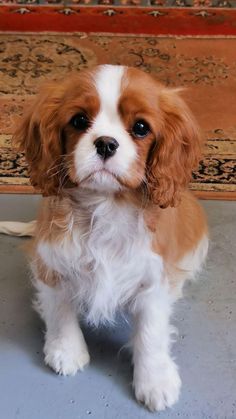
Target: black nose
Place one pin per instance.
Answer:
(106, 146)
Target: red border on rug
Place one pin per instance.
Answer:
(141, 20)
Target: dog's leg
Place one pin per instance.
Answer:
(156, 379)
(65, 348)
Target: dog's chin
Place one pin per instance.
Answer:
(102, 181)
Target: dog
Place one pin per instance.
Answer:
(112, 151)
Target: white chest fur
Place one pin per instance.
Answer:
(105, 257)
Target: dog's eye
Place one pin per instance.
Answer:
(80, 122)
(140, 129)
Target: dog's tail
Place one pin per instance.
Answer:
(15, 228)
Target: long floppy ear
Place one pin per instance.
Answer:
(176, 152)
(39, 136)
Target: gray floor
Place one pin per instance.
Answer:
(205, 350)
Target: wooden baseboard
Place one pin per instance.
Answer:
(25, 189)
(18, 189)
(223, 196)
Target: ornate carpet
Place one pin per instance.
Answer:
(205, 66)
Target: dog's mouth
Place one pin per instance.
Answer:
(102, 178)
(100, 173)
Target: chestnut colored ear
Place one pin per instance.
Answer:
(176, 152)
(39, 136)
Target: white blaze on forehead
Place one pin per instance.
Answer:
(108, 81)
(108, 84)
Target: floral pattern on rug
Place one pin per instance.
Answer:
(28, 60)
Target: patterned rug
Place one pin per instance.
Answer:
(205, 66)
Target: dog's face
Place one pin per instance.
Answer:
(110, 129)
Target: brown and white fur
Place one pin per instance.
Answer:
(114, 233)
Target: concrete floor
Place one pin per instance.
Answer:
(205, 350)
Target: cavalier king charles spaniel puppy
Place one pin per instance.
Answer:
(112, 151)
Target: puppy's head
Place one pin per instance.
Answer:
(113, 128)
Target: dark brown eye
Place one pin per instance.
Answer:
(80, 122)
(140, 129)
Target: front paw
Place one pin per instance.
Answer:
(65, 358)
(160, 389)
